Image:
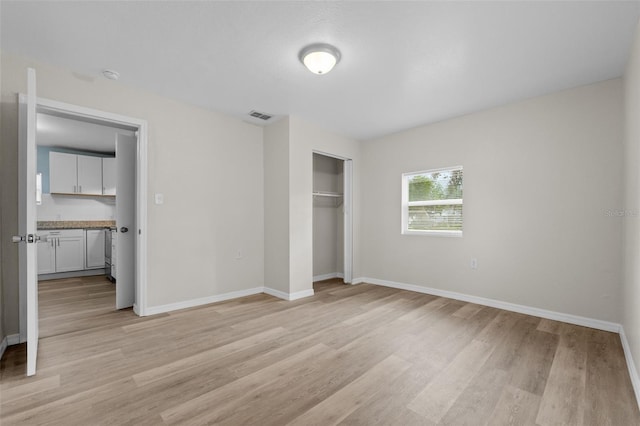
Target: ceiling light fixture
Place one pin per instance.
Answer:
(111, 74)
(320, 58)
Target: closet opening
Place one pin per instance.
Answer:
(332, 227)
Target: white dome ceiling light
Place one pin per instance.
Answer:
(320, 58)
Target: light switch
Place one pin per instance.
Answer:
(159, 198)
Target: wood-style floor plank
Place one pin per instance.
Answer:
(438, 396)
(334, 409)
(563, 400)
(349, 355)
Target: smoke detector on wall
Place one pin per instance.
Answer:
(111, 74)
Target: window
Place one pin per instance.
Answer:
(432, 202)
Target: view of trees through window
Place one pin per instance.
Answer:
(435, 201)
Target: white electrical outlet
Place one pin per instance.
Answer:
(239, 254)
(474, 263)
(159, 198)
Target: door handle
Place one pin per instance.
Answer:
(124, 229)
(29, 238)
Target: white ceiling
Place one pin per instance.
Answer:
(75, 134)
(403, 63)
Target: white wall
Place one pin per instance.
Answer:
(65, 207)
(276, 205)
(539, 178)
(208, 166)
(631, 282)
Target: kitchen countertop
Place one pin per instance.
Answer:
(76, 224)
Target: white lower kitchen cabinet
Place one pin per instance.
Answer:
(46, 254)
(64, 249)
(95, 248)
(114, 236)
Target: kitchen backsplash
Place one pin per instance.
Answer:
(63, 207)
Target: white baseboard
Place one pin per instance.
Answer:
(3, 346)
(536, 312)
(288, 296)
(152, 310)
(72, 274)
(631, 366)
(14, 339)
(276, 293)
(358, 280)
(301, 294)
(328, 276)
(11, 339)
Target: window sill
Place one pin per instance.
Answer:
(455, 234)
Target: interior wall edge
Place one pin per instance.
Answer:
(3, 346)
(631, 366)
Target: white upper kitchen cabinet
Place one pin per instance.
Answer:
(89, 175)
(75, 174)
(63, 173)
(109, 176)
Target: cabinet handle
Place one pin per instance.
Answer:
(58, 239)
(80, 190)
(74, 189)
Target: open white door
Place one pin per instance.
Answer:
(126, 154)
(27, 226)
(348, 221)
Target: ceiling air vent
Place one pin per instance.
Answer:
(260, 115)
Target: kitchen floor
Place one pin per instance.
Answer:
(73, 304)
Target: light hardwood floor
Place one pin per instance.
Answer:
(351, 355)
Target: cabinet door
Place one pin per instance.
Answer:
(70, 251)
(63, 173)
(109, 176)
(95, 248)
(89, 175)
(113, 254)
(46, 254)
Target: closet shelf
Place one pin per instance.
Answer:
(326, 194)
(334, 198)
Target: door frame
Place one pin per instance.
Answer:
(90, 114)
(347, 202)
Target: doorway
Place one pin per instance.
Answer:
(79, 166)
(332, 223)
(133, 133)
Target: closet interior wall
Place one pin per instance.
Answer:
(328, 221)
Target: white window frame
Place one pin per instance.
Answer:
(406, 204)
